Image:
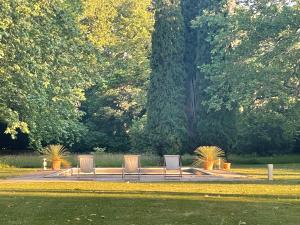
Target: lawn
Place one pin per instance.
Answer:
(218, 203)
(13, 172)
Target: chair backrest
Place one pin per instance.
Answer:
(86, 163)
(131, 163)
(172, 162)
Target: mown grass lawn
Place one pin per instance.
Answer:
(13, 172)
(218, 203)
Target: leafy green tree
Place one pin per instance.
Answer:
(166, 119)
(125, 28)
(109, 116)
(255, 68)
(45, 66)
(213, 127)
(265, 130)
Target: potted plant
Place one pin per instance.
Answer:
(56, 155)
(226, 166)
(207, 156)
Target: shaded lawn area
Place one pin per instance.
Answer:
(217, 203)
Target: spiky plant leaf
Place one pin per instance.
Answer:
(56, 152)
(208, 154)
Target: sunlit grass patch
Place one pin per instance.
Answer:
(14, 172)
(282, 173)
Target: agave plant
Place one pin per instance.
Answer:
(56, 153)
(207, 156)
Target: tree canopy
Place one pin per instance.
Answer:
(163, 76)
(46, 65)
(255, 67)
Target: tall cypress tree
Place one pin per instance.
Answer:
(190, 10)
(166, 123)
(203, 56)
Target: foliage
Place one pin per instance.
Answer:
(208, 154)
(77, 73)
(99, 150)
(191, 9)
(166, 120)
(125, 28)
(109, 115)
(139, 140)
(216, 127)
(254, 72)
(46, 64)
(203, 127)
(196, 124)
(56, 153)
(266, 131)
(3, 165)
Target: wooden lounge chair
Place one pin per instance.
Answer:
(172, 163)
(131, 166)
(86, 164)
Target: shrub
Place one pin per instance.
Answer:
(56, 152)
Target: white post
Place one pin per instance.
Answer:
(270, 171)
(45, 163)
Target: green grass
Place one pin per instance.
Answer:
(14, 172)
(282, 173)
(216, 203)
(254, 159)
(22, 160)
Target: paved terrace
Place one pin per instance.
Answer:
(151, 174)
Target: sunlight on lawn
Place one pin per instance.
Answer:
(282, 173)
(13, 172)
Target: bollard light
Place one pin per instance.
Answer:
(270, 171)
(45, 163)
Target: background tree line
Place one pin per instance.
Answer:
(162, 76)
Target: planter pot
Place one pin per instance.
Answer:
(226, 166)
(56, 164)
(208, 165)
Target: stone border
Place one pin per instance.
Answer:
(207, 176)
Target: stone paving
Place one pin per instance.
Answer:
(147, 175)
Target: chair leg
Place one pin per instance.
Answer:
(77, 171)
